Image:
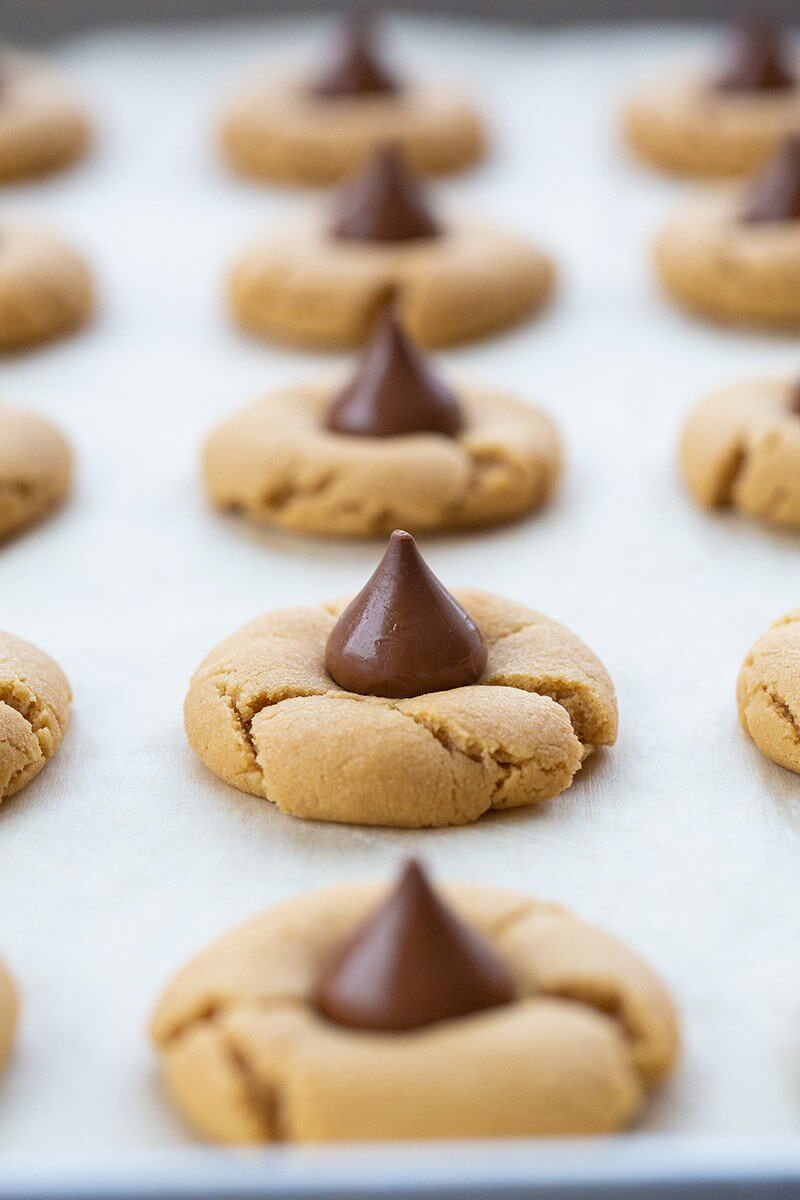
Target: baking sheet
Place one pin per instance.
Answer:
(126, 856)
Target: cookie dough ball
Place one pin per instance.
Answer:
(321, 284)
(740, 447)
(413, 744)
(736, 258)
(721, 124)
(35, 469)
(288, 130)
(42, 128)
(45, 288)
(768, 692)
(9, 1009)
(34, 710)
(392, 461)
(250, 1055)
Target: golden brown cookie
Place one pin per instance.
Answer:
(264, 715)
(34, 710)
(276, 132)
(286, 128)
(302, 288)
(9, 1011)
(684, 127)
(42, 128)
(277, 463)
(35, 469)
(45, 288)
(322, 282)
(721, 123)
(714, 262)
(768, 692)
(741, 447)
(247, 1057)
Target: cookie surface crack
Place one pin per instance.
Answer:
(785, 714)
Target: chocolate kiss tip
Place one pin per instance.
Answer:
(755, 60)
(383, 203)
(412, 963)
(355, 68)
(394, 391)
(404, 634)
(775, 194)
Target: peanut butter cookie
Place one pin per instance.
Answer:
(736, 258)
(394, 446)
(288, 130)
(45, 289)
(322, 283)
(35, 469)
(768, 692)
(741, 447)
(407, 707)
(34, 710)
(9, 1010)
(42, 128)
(361, 1013)
(725, 124)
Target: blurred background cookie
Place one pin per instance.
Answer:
(740, 447)
(321, 282)
(9, 1011)
(46, 289)
(35, 469)
(319, 127)
(734, 255)
(42, 126)
(727, 119)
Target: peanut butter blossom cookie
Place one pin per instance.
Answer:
(740, 448)
(315, 130)
(407, 706)
(35, 469)
(725, 122)
(362, 1013)
(396, 445)
(45, 288)
(34, 711)
(768, 692)
(9, 1009)
(735, 257)
(322, 282)
(42, 128)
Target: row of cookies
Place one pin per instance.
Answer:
(297, 128)
(458, 703)
(733, 253)
(395, 443)
(318, 283)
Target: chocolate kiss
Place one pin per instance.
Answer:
(755, 60)
(394, 391)
(383, 203)
(412, 963)
(775, 195)
(355, 68)
(404, 634)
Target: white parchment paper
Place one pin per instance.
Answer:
(126, 856)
